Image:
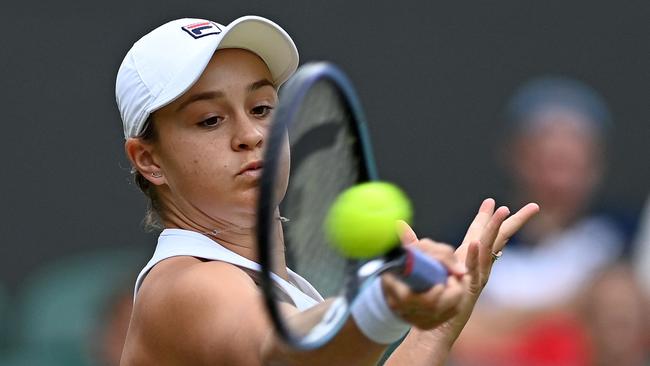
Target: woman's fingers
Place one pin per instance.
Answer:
(513, 224)
(480, 220)
(491, 229)
(471, 262)
(406, 233)
(470, 265)
(494, 228)
(444, 254)
(427, 309)
(451, 297)
(488, 237)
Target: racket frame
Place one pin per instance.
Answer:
(291, 97)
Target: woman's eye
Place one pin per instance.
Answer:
(211, 122)
(262, 110)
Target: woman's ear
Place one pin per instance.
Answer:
(141, 155)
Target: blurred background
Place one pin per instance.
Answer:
(438, 82)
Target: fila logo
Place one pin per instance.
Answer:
(202, 29)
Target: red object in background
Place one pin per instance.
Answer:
(560, 340)
(556, 339)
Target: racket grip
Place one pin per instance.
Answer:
(422, 272)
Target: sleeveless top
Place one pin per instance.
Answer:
(178, 242)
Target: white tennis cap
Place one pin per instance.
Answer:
(166, 62)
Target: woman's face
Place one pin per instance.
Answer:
(209, 141)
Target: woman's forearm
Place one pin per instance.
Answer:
(432, 347)
(428, 348)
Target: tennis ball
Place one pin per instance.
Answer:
(361, 223)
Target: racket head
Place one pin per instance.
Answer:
(320, 124)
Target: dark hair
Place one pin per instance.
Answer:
(152, 221)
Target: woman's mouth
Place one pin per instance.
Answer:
(252, 169)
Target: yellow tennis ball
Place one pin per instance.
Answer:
(361, 223)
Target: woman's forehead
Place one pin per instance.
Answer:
(238, 59)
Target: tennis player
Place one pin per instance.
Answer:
(196, 99)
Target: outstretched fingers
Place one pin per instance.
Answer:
(481, 219)
(489, 235)
(473, 270)
(513, 224)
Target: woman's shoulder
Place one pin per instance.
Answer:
(183, 280)
(185, 301)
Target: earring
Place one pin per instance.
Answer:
(156, 174)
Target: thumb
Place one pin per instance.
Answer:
(406, 233)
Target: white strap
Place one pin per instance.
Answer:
(178, 242)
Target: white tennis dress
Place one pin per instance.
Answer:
(178, 242)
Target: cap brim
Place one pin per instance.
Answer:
(266, 39)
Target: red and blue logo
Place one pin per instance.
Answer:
(201, 29)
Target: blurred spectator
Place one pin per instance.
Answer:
(554, 151)
(74, 311)
(615, 310)
(111, 334)
(641, 255)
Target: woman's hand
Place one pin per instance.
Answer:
(486, 236)
(429, 309)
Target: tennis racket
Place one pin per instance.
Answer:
(319, 130)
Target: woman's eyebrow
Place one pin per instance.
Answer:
(219, 94)
(200, 96)
(259, 84)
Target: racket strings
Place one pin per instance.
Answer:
(319, 127)
(324, 163)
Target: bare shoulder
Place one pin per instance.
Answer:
(193, 312)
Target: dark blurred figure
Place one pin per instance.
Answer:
(615, 310)
(74, 310)
(641, 257)
(111, 334)
(554, 150)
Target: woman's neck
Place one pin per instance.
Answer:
(240, 239)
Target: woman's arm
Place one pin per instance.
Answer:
(352, 344)
(487, 234)
(192, 312)
(207, 313)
